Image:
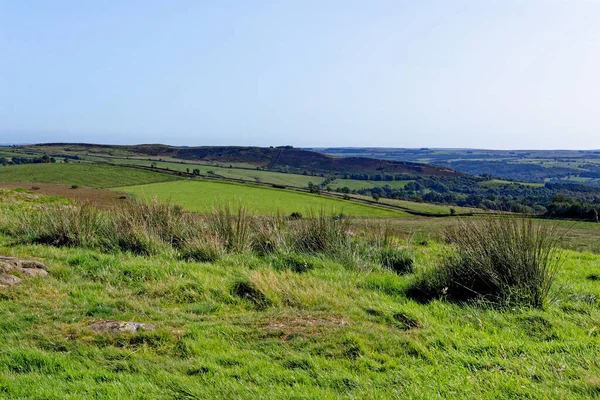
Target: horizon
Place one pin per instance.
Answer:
(468, 75)
(301, 147)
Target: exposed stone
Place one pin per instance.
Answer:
(10, 265)
(7, 280)
(120, 326)
(33, 271)
(13, 262)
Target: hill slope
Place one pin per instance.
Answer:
(263, 157)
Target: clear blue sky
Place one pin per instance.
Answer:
(418, 73)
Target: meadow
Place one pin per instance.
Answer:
(202, 196)
(282, 325)
(84, 174)
(355, 184)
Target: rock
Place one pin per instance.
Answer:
(120, 326)
(13, 262)
(33, 272)
(7, 280)
(10, 265)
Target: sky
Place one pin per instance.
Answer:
(505, 74)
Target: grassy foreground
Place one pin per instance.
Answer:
(331, 330)
(203, 196)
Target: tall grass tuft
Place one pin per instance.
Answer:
(160, 220)
(233, 228)
(270, 235)
(320, 233)
(502, 260)
(83, 226)
(151, 227)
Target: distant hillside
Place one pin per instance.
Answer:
(265, 157)
(541, 166)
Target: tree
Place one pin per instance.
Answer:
(594, 215)
(375, 197)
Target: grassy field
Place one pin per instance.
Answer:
(87, 175)
(331, 331)
(354, 184)
(501, 182)
(203, 196)
(423, 207)
(246, 174)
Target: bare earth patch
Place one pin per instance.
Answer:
(303, 324)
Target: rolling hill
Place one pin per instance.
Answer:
(272, 158)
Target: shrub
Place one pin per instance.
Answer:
(503, 260)
(400, 261)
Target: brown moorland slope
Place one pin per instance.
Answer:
(264, 157)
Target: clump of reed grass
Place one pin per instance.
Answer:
(398, 260)
(233, 228)
(500, 260)
(319, 233)
(152, 227)
(83, 226)
(204, 248)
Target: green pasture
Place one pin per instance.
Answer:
(202, 196)
(84, 174)
(356, 184)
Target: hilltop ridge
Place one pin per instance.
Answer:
(281, 157)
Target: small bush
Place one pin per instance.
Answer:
(502, 260)
(399, 261)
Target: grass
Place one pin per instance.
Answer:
(86, 175)
(501, 182)
(503, 261)
(241, 328)
(428, 208)
(246, 174)
(355, 184)
(202, 196)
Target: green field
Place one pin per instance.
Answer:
(203, 196)
(355, 184)
(428, 207)
(88, 175)
(246, 174)
(501, 182)
(334, 330)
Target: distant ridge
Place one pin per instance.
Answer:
(282, 157)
